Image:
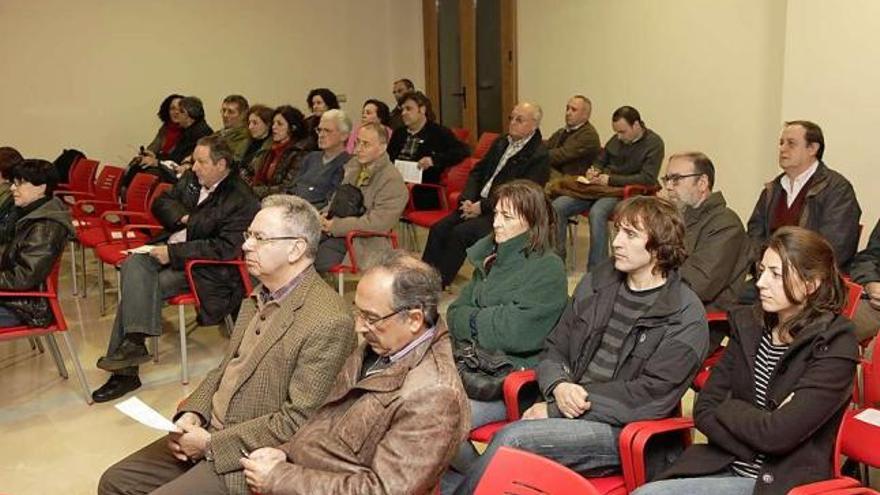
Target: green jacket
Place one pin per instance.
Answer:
(238, 139)
(514, 306)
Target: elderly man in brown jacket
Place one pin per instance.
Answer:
(291, 339)
(398, 410)
(385, 196)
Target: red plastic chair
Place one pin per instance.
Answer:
(81, 177)
(451, 185)
(352, 267)
(484, 143)
(461, 134)
(192, 298)
(516, 472)
(59, 326)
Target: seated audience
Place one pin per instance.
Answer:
(9, 157)
(632, 156)
(865, 270)
(625, 349)
(384, 197)
(233, 111)
(165, 141)
(433, 146)
(318, 101)
(517, 292)
(322, 171)
(518, 155)
(291, 339)
(192, 121)
(576, 146)
(259, 125)
(372, 111)
(398, 89)
(204, 216)
(772, 407)
(274, 171)
(41, 230)
(397, 412)
(808, 194)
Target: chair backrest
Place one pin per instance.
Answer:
(483, 145)
(461, 134)
(82, 175)
(456, 178)
(107, 183)
(517, 472)
(870, 378)
(137, 197)
(857, 440)
(160, 189)
(52, 288)
(853, 296)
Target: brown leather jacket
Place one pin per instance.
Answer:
(393, 432)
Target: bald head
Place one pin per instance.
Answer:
(524, 120)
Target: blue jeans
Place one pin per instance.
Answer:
(8, 318)
(588, 447)
(600, 210)
(708, 485)
(482, 413)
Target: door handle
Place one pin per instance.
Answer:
(462, 94)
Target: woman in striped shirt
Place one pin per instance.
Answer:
(772, 406)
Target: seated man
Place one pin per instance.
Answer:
(291, 339)
(233, 111)
(865, 270)
(632, 156)
(807, 194)
(576, 146)
(321, 171)
(398, 410)
(204, 217)
(518, 155)
(423, 140)
(384, 198)
(625, 349)
(399, 88)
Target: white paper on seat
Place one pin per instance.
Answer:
(137, 410)
(145, 249)
(409, 170)
(870, 416)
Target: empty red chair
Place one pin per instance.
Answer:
(81, 178)
(451, 185)
(516, 472)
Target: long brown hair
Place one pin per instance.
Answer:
(529, 201)
(808, 256)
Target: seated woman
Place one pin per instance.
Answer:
(772, 407)
(274, 171)
(9, 157)
(517, 292)
(41, 232)
(318, 101)
(372, 111)
(166, 139)
(194, 127)
(322, 171)
(259, 123)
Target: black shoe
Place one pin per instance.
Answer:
(128, 354)
(116, 387)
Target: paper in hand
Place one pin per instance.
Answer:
(145, 249)
(137, 410)
(409, 170)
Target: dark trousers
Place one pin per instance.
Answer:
(331, 252)
(154, 470)
(449, 239)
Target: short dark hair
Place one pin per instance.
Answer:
(164, 112)
(239, 101)
(663, 223)
(529, 201)
(629, 114)
(193, 107)
(812, 134)
(263, 112)
(37, 172)
(9, 157)
(421, 100)
(295, 120)
(406, 82)
(416, 285)
(328, 96)
(702, 164)
(219, 150)
(382, 111)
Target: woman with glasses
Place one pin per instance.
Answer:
(772, 407)
(273, 171)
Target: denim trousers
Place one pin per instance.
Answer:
(706, 485)
(600, 210)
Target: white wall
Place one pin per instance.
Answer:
(91, 74)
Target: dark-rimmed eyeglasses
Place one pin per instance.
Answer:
(370, 320)
(260, 238)
(674, 178)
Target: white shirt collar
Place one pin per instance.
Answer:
(793, 187)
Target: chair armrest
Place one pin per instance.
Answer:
(716, 316)
(827, 486)
(639, 190)
(137, 215)
(513, 384)
(349, 243)
(242, 270)
(26, 294)
(71, 197)
(634, 439)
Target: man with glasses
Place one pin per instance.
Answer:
(291, 339)
(321, 171)
(520, 154)
(633, 155)
(203, 217)
(398, 410)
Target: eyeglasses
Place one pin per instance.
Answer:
(369, 320)
(674, 178)
(320, 130)
(260, 239)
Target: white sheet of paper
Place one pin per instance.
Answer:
(870, 416)
(137, 410)
(145, 249)
(409, 170)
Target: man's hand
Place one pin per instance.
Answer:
(571, 399)
(601, 179)
(161, 254)
(258, 465)
(184, 219)
(148, 159)
(470, 209)
(426, 162)
(592, 173)
(537, 411)
(194, 441)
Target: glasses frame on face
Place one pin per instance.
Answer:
(674, 179)
(359, 315)
(259, 240)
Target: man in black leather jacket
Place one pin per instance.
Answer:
(204, 217)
